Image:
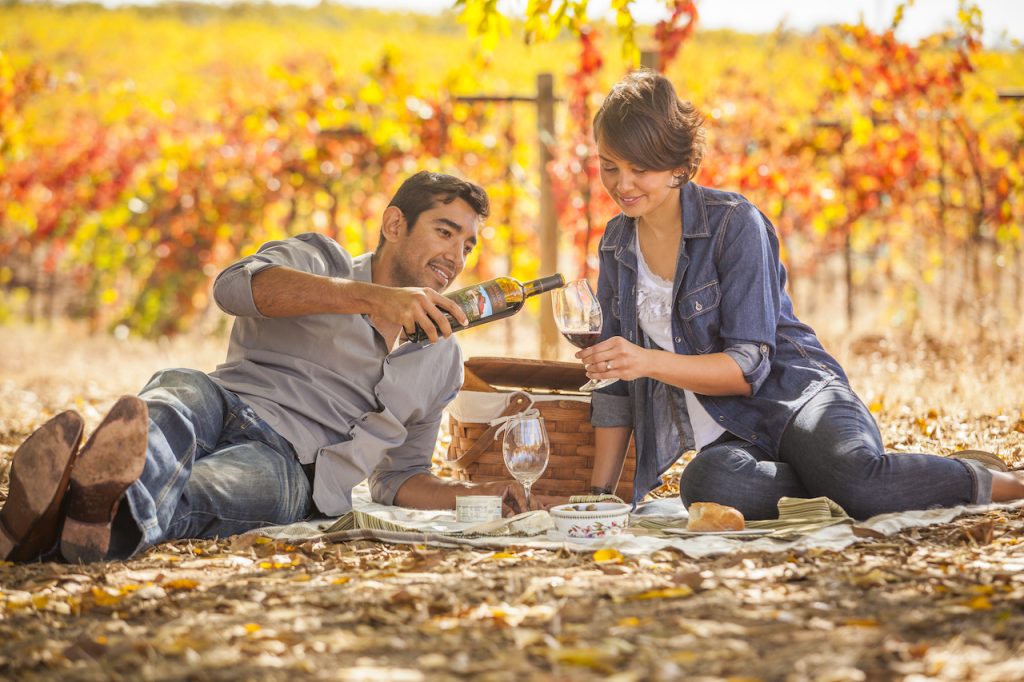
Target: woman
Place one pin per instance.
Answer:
(699, 327)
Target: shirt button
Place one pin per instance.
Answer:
(678, 340)
(698, 307)
(721, 419)
(753, 437)
(764, 347)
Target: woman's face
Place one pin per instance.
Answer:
(639, 192)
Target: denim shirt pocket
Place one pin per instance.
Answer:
(701, 315)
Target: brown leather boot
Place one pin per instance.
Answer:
(40, 473)
(112, 459)
(989, 459)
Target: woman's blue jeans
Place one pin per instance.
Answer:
(832, 448)
(213, 468)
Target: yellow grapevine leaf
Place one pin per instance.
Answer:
(104, 598)
(341, 580)
(667, 593)
(980, 603)
(608, 556)
(502, 555)
(182, 584)
(588, 658)
(862, 623)
(276, 564)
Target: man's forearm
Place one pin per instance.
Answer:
(285, 292)
(425, 491)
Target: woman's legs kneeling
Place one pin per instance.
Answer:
(738, 474)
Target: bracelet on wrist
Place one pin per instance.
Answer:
(598, 490)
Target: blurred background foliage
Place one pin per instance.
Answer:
(143, 149)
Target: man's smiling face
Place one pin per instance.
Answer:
(434, 251)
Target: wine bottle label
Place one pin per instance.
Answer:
(494, 299)
(480, 301)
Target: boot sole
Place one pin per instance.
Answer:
(39, 478)
(113, 458)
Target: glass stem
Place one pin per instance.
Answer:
(526, 490)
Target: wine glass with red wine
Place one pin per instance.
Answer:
(578, 316)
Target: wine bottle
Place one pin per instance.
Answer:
(494, 299)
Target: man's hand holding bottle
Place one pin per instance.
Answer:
(487, 301)
(412, 307)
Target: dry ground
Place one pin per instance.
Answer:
(943, 603)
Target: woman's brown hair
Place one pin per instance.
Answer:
(644, 122)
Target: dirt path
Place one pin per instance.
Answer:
(943, 603)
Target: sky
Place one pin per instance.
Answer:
(1002, 18)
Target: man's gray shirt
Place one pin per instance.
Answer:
(329, 384)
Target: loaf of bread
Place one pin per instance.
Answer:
(708, 516)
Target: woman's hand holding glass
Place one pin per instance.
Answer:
(615, 358)
(578, 316)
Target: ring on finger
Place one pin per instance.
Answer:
(608, 366)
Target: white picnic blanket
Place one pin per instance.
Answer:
(536, 529)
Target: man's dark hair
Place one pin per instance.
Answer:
(424, 190)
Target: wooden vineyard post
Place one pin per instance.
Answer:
(649, 59)
(548, 221)
(545, 102)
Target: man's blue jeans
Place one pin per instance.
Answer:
(832, 448)
(213, 468)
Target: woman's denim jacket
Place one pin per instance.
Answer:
(729, 289)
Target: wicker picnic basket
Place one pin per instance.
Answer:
(475, 454)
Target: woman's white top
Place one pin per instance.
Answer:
(654, 314)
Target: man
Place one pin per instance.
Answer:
(318, 392)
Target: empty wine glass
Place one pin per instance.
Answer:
(578, 316)
(525, 450)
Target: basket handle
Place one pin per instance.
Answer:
(517, 402)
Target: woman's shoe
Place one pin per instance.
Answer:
(988, 459)
(39, 477)
(112, 459)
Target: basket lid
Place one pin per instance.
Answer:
(550, 375)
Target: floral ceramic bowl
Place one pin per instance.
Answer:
(591, 519)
